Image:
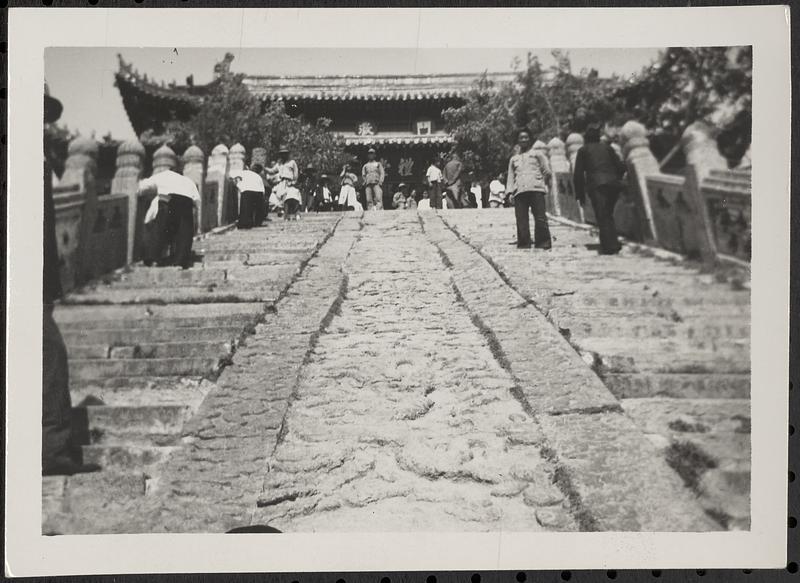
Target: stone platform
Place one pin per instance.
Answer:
(392, 371)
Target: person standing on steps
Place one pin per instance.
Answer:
(598, 173)
(169, 221)
(373, 175)
(251, 187)
(497, 192)
(286, 172)
(348, 198)
(452, 179)
(528, 178)
(434, 179)
(60, 454)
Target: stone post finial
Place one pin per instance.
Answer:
(574, 143)
(236, 157)
(193, 159)
(701, 149)
(258, 156)
(164, 159)
(558, 156)
(641, 163)
(130, 164)
(81, 169)
(216, 174)
(81, 156)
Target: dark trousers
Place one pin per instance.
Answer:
(262, 209)
(291, 207)
(604, 198)
(56, 404)
(173, 226)
(249, 209)
(536, 203)
(436, 195)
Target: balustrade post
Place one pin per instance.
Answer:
(575, 143)
(702, 156)
(216, 177)
(641, 163)
(130, 164)
(258, 156)
(559, 164)
(81, 169)
(237, 157)
(164, 159)
(193, 169)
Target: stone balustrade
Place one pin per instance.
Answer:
(98, 232)
(704, 213)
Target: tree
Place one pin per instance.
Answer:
(689, 84)
(483, 126)
(551, 102)
(230, 113)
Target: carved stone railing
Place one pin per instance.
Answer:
(727, 196)
(705, 213)
(673, 213)
(97, 233)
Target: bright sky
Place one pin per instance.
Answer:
(83, 78)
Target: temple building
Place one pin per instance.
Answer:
(399, 115)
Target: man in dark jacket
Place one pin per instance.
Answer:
(60, 456)
(598, 172)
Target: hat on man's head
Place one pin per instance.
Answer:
(371, 151)
(283, 148)
(52, 106)
(309, 166)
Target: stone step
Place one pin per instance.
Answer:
(641, 299)
(147, 350)
(125, 457)
(679, 386)
(641, 347)
(140, 391)
(153, 315)
(227, 293)
(681, 417)
(274, 274)
(81, 370)
(145, 276)
(130, 425)
(655, 327)
(687, 363)
(66, 496)
(135, 336)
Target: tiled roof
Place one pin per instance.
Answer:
(368, 87)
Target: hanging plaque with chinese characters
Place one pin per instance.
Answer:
(366, 128)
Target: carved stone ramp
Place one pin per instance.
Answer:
(610, 472)
(670, 340)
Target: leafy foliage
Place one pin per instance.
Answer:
(688, 84)
(684, 85)
(231, 114)
(552, 102)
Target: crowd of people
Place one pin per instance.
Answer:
(282, 189)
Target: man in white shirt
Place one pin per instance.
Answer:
(170, 219)
(434, 177)
(251, 187)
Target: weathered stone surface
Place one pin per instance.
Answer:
(435, 382)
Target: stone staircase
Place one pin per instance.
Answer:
(670, 342)
(146, 345)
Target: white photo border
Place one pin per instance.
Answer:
(31, 30)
